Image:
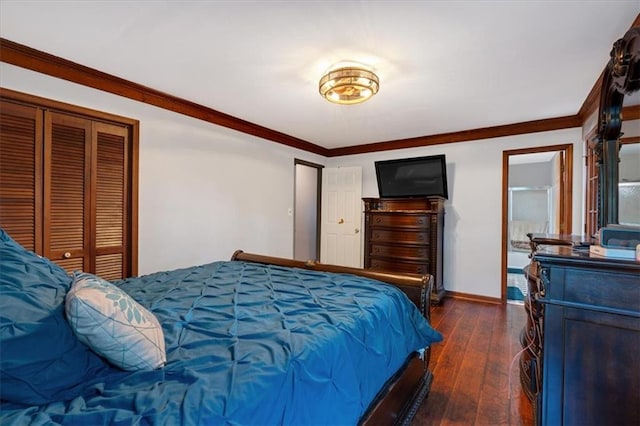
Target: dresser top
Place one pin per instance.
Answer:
(578, 255)
(408, 205)
(574, 249)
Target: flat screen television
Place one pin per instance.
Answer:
(412, 177)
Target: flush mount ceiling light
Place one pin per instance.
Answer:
(349, 85)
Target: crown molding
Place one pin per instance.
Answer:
(54, 66)
(631, 112)
(535, 126)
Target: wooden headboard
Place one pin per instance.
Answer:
(416, 287)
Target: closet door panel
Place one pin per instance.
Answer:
(67, 237)
(21, 173)
(111, 197)
(109, 266)
(68, 183)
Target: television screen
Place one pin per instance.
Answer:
(412, 177)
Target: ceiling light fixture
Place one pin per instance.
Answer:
(349, 85)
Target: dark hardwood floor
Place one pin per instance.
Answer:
(476, 380)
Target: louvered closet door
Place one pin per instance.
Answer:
(86, 195)
(67, 186)
(21, 173)
(110, 177)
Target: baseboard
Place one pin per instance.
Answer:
(473, 297)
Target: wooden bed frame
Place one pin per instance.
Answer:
(400, 398)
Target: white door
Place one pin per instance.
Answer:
(340, 238)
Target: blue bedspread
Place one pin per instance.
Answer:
(250, 344)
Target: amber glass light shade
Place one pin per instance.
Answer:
(349, 85)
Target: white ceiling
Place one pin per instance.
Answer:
(444, 66)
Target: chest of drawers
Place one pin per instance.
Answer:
(405, 235)
(581, 363)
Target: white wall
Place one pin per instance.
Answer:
(473, 213)
(204, 191)
(531, 174)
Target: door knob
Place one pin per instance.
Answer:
(67, 255)
(341, 221)
(357, 230)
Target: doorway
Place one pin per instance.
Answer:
(536, 198)
(306, 211)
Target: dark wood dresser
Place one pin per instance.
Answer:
(581, 363)
(405, 235)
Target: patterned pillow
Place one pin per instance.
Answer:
(114, 325)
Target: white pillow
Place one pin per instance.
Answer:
(112, 324)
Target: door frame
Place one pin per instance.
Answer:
(565, 209)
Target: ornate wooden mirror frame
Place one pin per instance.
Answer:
(621, 77)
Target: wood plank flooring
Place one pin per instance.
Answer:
(476, 380)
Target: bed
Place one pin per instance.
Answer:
(253, 340)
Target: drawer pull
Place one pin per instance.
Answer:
(66, 255)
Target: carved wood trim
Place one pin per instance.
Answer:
(592, 101)
(621, 77)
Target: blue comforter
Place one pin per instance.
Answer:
(250, 344)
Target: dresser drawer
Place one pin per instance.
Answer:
(397, 236)
(411, 252)
(399, 220)
(405, 235)
(397, 266)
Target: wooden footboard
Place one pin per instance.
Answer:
(399, 400)
(401, 397)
